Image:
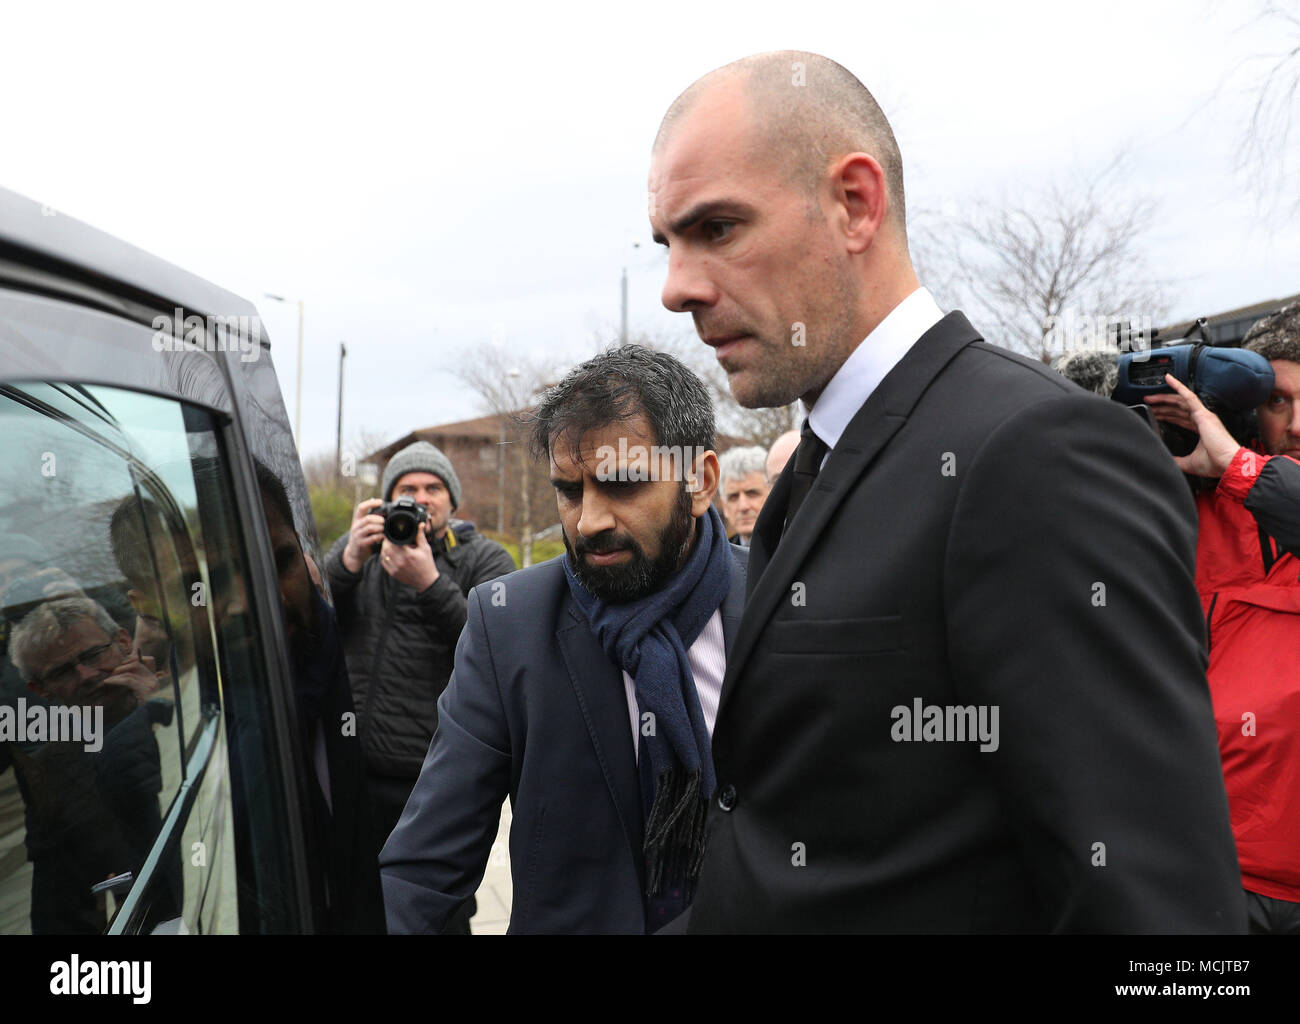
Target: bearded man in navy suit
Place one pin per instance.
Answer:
(585, 688)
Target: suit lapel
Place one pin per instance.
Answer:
(767, 529)
(774, 560)
(598, 685)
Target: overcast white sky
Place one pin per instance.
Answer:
(429, 178)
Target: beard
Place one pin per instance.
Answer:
(639, 576)
(1284, 445)
(302, 626)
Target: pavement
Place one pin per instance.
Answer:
(494, 894)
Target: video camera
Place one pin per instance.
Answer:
(1230, 382)
(403, 520)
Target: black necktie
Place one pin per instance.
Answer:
(807, 462)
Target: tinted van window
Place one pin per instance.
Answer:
(134, 747)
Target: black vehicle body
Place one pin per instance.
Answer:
(86, 370)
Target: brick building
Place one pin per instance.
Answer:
(475, 449)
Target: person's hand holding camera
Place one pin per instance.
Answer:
(1217, 447)
(367, 531)
(411, 564)
(137, 674)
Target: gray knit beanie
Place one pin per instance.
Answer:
(421, 457)
(1276, 336)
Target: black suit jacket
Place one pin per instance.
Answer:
(984, 534)
(534, 710)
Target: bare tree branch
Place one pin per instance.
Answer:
(509, 384)
(1265, 156)
(1022, 267)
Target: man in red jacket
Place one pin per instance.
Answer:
(1248, 576)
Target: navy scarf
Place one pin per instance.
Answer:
(649, 639)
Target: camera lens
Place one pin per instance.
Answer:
(400, 527)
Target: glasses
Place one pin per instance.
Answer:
(91, 657)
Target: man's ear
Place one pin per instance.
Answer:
(137, 599)
(703, 483)
(861, 199)
(123, 640)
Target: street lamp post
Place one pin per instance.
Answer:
(622, 328)
(501, 473)
(338, 437)
(622, 324)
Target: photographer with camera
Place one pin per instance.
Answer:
(400, 577)
(1248, 577)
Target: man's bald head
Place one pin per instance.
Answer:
(807, 110)
(779, 454)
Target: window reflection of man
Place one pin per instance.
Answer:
(142, 541)
(26, 578)
(90, 814)
(20, 558)
(324, 705)
(301, 615)
(73, 653)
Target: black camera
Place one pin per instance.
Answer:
(1223, 378)
(1230, 382)
(403, 520)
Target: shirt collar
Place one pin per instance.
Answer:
(867, 365)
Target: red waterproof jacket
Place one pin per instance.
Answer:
(1249, 580)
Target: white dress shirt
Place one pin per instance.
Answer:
(867, 365)
(708, 658)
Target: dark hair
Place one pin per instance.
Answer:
(274, 496)
(619, 384)
(128, 533)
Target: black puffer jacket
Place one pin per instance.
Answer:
(400, 644)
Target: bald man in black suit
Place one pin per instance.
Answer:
(968, 690)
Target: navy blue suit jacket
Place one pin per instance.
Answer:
(536, 711)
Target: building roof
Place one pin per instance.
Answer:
(482, 429)
(1230, 326)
